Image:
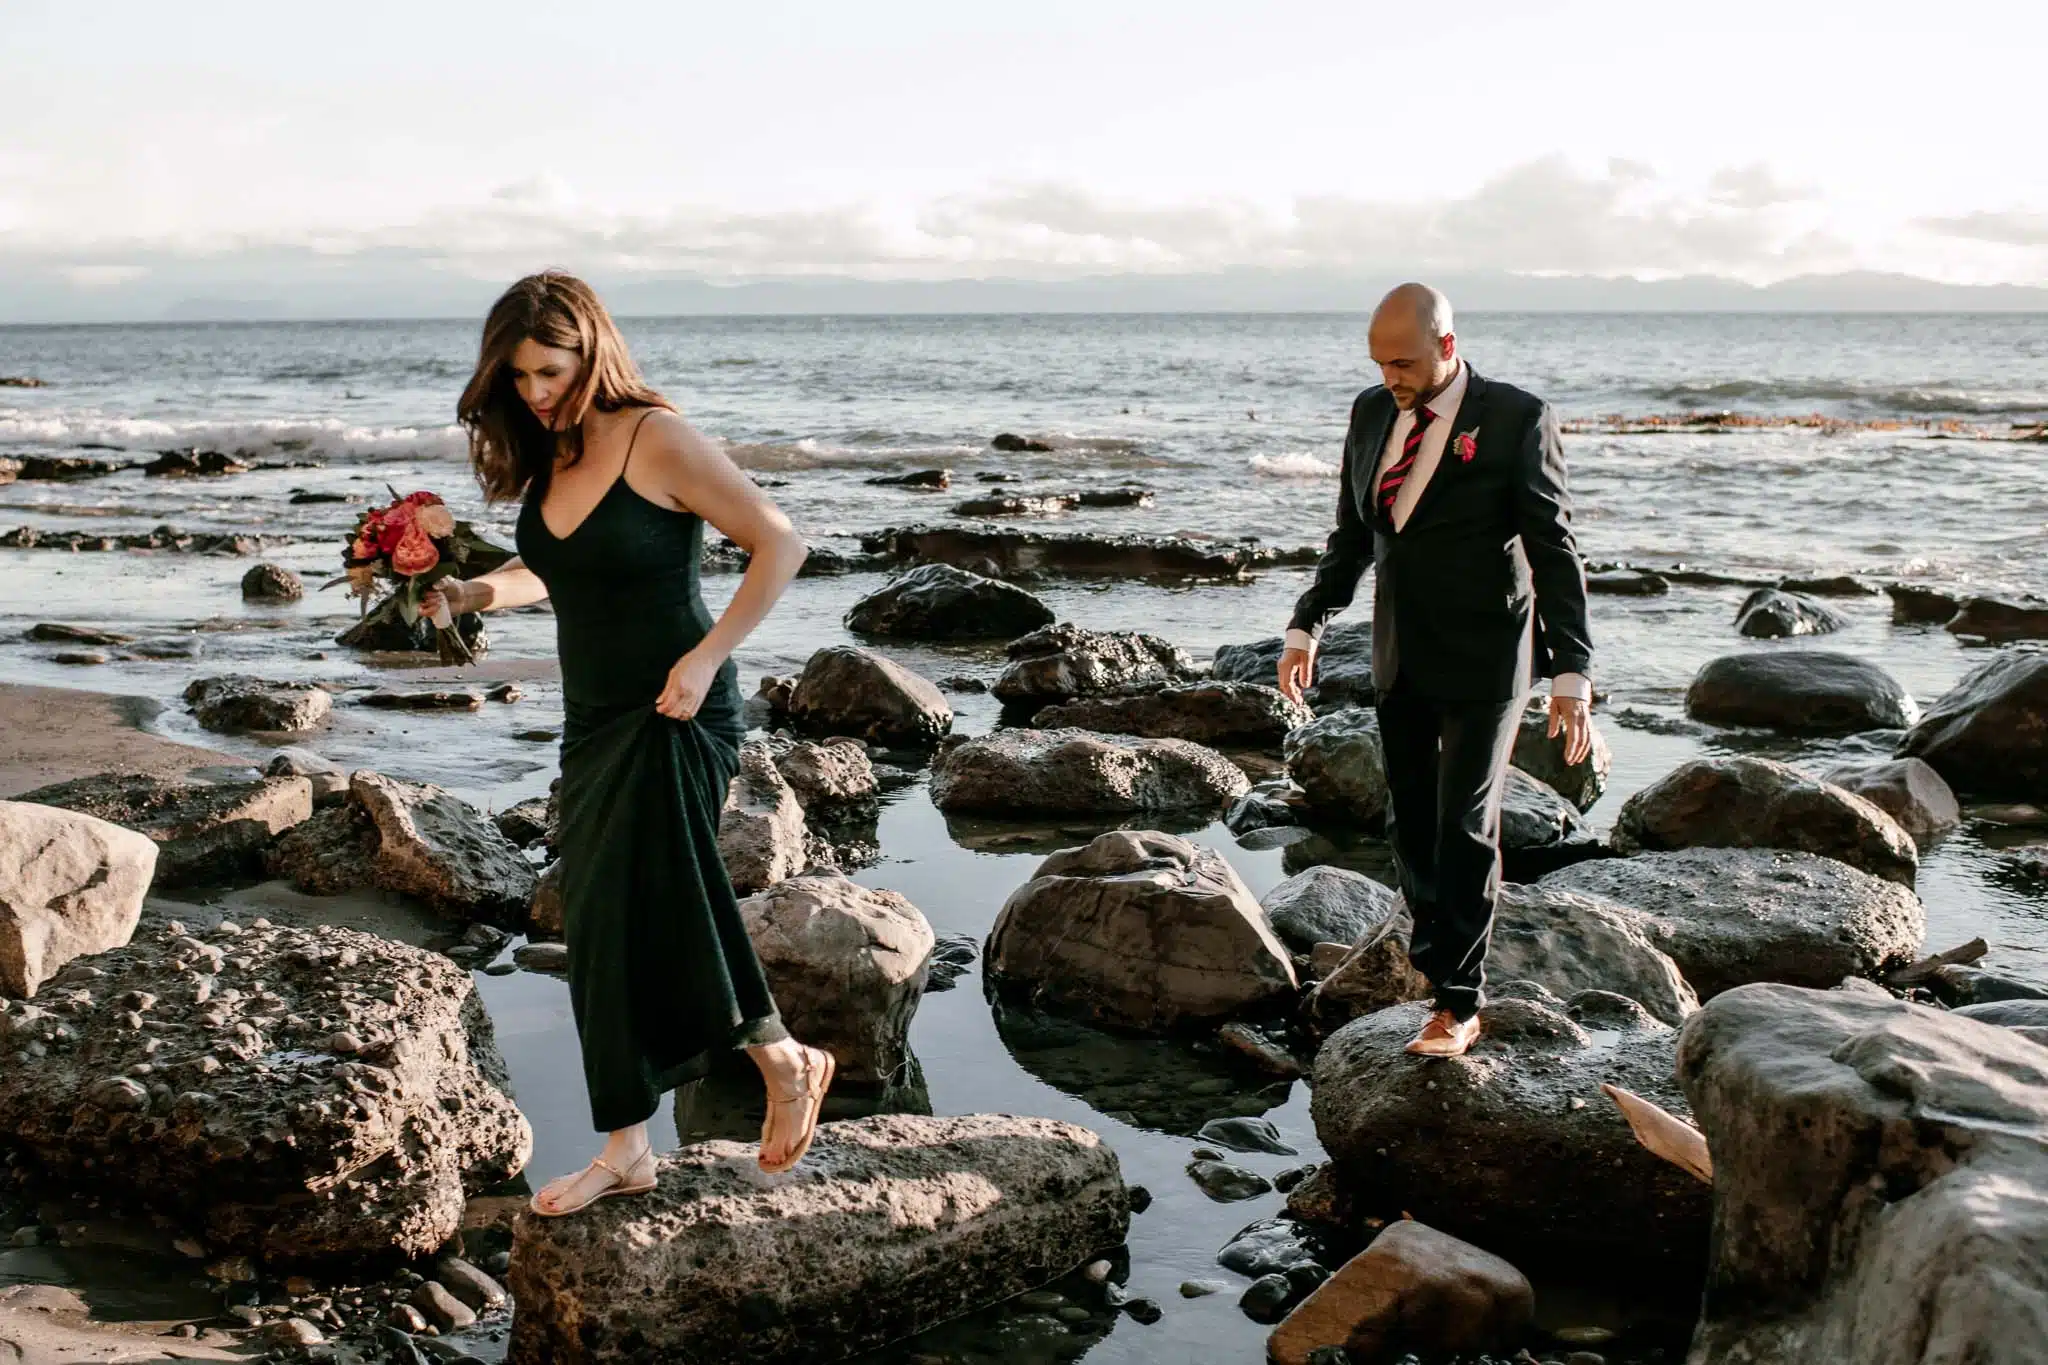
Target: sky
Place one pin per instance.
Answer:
(272, 152)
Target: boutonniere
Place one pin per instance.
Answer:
(1468, 445)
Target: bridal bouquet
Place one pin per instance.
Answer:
(413, 542)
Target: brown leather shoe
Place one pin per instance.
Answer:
(1445, 1035)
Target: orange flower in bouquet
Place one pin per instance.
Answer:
(413, 542)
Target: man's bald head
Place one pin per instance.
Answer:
(1413, 344)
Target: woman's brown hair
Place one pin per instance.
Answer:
(508, 446)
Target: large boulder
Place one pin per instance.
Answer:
(1225, 714)
(1761, 803)
(1413, 1289)
(1769, 614)
(1374, 975)
(1340, 767)
(1880, 1181)
(1513, 1145)
(845, 690)
(1989, 734)
(1139, 930)
(2001, 619)
(832, 780)
(300, 1096)
(761, 828)
(69, 885)
(1907, 789)
(234, 704)
(1343, 668)
(940, 602)
(847, 964)
(893, 1224)
(1730, 916)
(1542, 755)
(1804, 691)
(1077, 772)
(1060, 663)
(1326, 904)
(204, 831)
(1540, 831)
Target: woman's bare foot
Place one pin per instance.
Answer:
(626, 1151)
(796, 1077)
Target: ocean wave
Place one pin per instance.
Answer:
(325, 436)
(1918, 399)
(811, 453)
(1298, 464)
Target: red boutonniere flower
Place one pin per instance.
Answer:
(1468, 446)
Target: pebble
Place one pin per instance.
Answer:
(1330, 1355)
(1226, 1183)
(1246, 1135)
(1585, 1358)
(1201, 1289)
(27, 1237)
(1096, 1272)
(1073, 1312)
(542, 957)
(246, 1314)
(442, 1308)
(406, 1318)
(470, 1284)
(1266, 1300)
(1144, 1311)
(1042, 1300)
(1584, 1336)
(295, 1332)
(1140, 1198)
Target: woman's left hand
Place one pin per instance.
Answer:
(688, 683)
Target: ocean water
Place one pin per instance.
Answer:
(1234, 421)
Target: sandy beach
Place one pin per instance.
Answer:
(53, 734)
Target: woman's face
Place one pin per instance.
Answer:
(545, 376)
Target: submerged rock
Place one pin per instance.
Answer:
(1770, 614)
(1223, 714)
(1139, 930)
(1908, 790)
(1915, 605)
(1063, 662)
(845, 690)
(1989, 734)
(1001, 553)
(326, 1096)
(70, 885)
(893, 1224)
(1079, 772)
(1343, 666)
(1760, 803)
(940, 602)
(1801, 691)
(1880, 1181)
(204, 831)
(233, 704)
(2001, 620)
(272, 583)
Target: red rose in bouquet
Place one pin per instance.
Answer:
(414, 541)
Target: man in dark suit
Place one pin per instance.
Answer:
(1453, 489)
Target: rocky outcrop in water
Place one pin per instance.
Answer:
(1138, 930)
(204, 831)
(847, 965)
(1802, 691)
(1340, 767)
(1880, 1181)
(834, 780)
(2001, 620)
(1770, 614)
(179, 464)
(162, 538)
(272, 583)
(1760, 803)
(69, 885)
(1906, 789)
(1326, 904)
(300, 1096)
(1541, 755)
(1916, 605)
(893, 1224)
(1730, 916)
(1540, 831)
(1343, 666)
(761, 827)
(940, 602)
(845, 690)
(1063, 662)
(1012, 554)
(1223, 714)
(924, 480)
(232, 705)
(1513, 1145)
(1988, 736)
(1077, 772)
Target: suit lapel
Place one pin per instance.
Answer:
(1368, 450)
(1449, 466)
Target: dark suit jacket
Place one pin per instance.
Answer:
(1483, 587)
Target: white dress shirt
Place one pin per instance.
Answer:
(1435, 437)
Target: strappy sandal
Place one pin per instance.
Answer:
(619, 1185)
(817, 1079)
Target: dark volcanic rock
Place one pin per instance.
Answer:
(1760, 803)
(1879, 1170)
(1906, 789)
(845, 690)
(184, 463)
(1116, 497)
(1013, 444)
(1922, 606)
(1770, 614)
(56, 632)
(204, 832)
(867, 1241)
(234, 704)
(1227, 714)
(384, 630)
(940, 602)
(1834, 585)
(1989, 735)
(1804, 691)
(295, 1095)
(1540, 831)
(1340, 767)
(1014, 553)
(1479, 1145)
(64, 468)
(1079, 772)
(931, 480)
(1343, 667)
(1326, 904)
(271, 583)
(1542, 756)
(1731, 916)
(1017, 505)
(1062, 662)
(2002, 619)
(1628, 583)
(1087, 937)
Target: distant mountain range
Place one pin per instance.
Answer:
(276, 286)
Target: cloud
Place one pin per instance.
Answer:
(1754, 186)
(2009, 228)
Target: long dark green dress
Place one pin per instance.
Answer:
(661, 972)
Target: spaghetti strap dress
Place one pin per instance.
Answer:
(662, 974)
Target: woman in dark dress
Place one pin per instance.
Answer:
(617, 488)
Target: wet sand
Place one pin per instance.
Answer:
(53, 734)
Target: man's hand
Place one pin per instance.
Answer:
(1297, 670)
(1573, 718)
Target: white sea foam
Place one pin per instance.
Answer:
(325, 436)
(1295, 464)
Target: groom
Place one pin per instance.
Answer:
(1454, 487)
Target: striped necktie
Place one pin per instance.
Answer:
(1397, 473)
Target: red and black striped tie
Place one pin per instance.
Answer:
(1397, 474)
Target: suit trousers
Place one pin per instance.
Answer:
(1446, 765)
